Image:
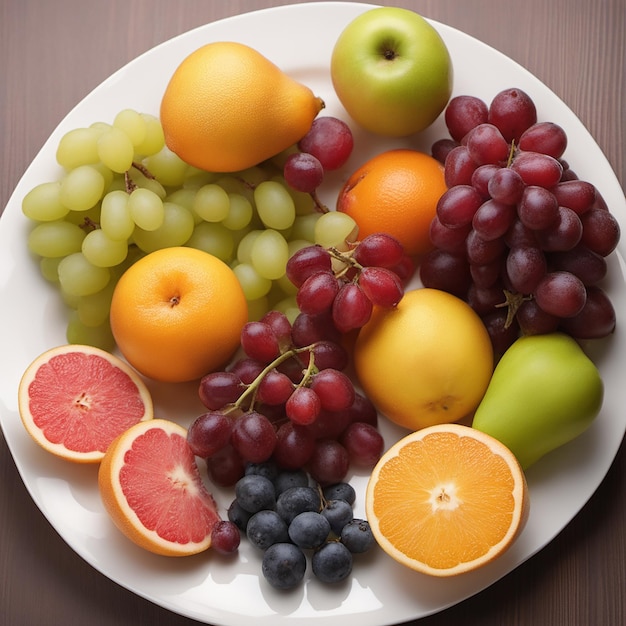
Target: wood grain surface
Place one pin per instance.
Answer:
(54, 52)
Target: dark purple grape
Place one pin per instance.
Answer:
(485, 300)
(601, 231)
(545, 137)
(441, 148)
(330, 140)
(561, 294)
(502, 335)
(379, 250)
(307, 261)
(486, 144)
(275, 388)
(225, 467)
(303, 172)
(533, 320)
(329, 463)
(445, 271)
(334, 389)
(209, 433)
(381, 286)
(459, 167)
(482, 252)
(464, 113)
(537, 169)
(525, 268)
(225, 537)
(259, 342)
(294, 446)
(218, 389)
(317, 293)
(450, 240)
(538, 208)
(457, 205)
(596, 319)
(481, 177)
(303, 406)
(513, 112)
(487, 275)
(577, 195)
(493, 219)
(329, 354)
(253, 437)
(589, 266)
(564, 235)
(364, 444)
(308, 329)
(351, 308)
(506, 185)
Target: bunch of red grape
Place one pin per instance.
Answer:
(343, 287)
(517, 234)
(326, 146)
(287, 398)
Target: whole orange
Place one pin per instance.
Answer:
(177, 314)
(427, 361)
(395, 192)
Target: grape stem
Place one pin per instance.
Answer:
(511, 154)
(346, 258)
(513, 301)
(319, 205)
(253, 387)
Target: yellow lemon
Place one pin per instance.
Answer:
(428, 361)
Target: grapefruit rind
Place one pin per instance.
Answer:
(30, 421)
(122, 513)
(397, 515)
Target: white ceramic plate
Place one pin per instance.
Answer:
(231, 591)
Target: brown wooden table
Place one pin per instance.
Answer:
(54, 52)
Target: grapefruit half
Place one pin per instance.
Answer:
(151, 487)
(74, 400)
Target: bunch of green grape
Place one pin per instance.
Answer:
(123, 194)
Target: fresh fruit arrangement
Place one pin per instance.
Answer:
(196, 244)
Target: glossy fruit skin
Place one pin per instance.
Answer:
(392, 71)
(427, 361)
(545, 392)
(227, 108)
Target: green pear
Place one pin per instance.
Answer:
(544, 392)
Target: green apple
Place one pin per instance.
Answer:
(544, 392)
(392, 71)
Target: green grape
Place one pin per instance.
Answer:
(185, 197)
(145, 182)
(304, 227)
(288, 306)
(244, 249)
(108, 175)
(196, 178)
(176, 229)
(93, 310)
(133, 125)
(167, 167)
(146, 209)
(335, 229)
(211, 203)
(258, 308)
(116, 150)
(85, 219)
(102, 251)
(274, 205)
(43, 203)
(82, 188)
(97, 336)
(55, 239)
(49, 267)
(269, 254)
(116, 221)
(231, 183)
(214, 239)
(154, 139)
(79, 277)
(240, 212)
(253, 284)
(78, 147)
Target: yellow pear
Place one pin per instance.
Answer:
(227, 108)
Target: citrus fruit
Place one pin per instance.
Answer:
(177, 314)
(151, 487)
(395, 192)
(392, 71)
(446, 500)
(427, 361)
(227, 108)
(74, 400)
